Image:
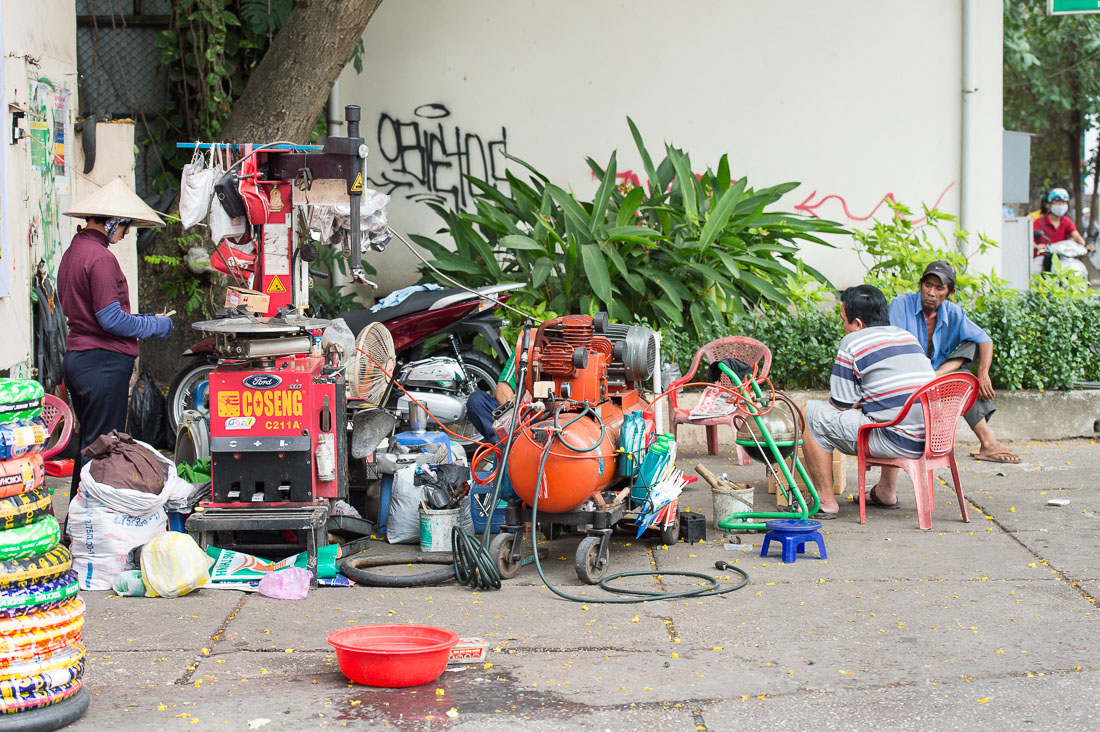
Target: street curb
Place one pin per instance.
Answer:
(1021, 416)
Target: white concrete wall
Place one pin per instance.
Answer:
(39, 42)
(854, 98)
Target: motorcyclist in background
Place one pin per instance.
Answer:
(1055, 233)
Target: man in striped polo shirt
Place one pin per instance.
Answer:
(877, 368)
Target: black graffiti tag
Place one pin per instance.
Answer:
(426, 160)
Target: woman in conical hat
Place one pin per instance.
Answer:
(103, 334)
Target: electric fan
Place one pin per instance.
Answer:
(372, 365)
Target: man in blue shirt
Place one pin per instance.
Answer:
(953, 342)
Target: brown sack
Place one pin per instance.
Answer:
(118, 461)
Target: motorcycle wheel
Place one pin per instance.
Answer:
(182, 389)
(484, 371)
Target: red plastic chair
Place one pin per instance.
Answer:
(749, 350)
(56, 411)
(943, 401)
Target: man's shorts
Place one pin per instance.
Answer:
(836, 429)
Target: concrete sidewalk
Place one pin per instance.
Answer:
(987, 626)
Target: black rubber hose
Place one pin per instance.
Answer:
(353, 568)
(51, 717)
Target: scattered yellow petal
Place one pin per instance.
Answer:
(635, 619)
(983, 701)
(439, 692)
(846, 673)
(452, 712)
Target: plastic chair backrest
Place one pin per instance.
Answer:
(749, 350)
(55, 410)
(944, 400)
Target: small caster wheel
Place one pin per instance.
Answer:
(587, 561)
(671, 534)
(500, 550)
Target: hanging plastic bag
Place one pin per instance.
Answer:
(291, 583)
(222, 226)
(196, 190)
(173, 565)
(148, 415)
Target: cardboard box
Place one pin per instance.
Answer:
(254, 302)
(469, 650)
(840, 477)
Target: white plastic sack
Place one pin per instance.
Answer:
(221, 225)
(136, 503)
(172, 565)
(101, 539)
(403, 524)
(1068, 249)
(196, 190)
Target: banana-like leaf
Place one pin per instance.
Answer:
(629, 207)
(621, 232)
(541, 270)
(575, 214)
(685, 181)
(671, 312)
(713, 274)
(434, 248)
(596, 269)
(519, 241)
(698, 318)
(763, 287)
(647, 162)
(720, 214)
(603, 195)
(534, 171)
(730, 264)
(722, 179)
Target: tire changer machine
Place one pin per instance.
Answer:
(278, 412)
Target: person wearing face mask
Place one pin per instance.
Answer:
(102, 343)
(1053, 227)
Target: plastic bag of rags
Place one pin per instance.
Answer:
(20, 399)
(129, 476)
(231, 566)
(101, 539)
(172, 565)
(403, 524)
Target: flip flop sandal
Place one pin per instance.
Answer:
(824, 516)
(992, 457)
(873, 500)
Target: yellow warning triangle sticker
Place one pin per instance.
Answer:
(276, 285)
(357, 186)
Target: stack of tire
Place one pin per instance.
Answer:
(41, 616)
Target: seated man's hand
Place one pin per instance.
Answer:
(985, 387)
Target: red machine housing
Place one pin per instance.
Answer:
(567, 352)
(265, 426)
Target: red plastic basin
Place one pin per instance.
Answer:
(392, 655)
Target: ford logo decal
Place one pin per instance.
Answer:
(262, 381)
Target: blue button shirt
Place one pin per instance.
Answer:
(952, 326)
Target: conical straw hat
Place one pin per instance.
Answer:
(116, 200)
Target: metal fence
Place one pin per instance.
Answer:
(121, 75)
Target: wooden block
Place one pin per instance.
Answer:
(840, 476)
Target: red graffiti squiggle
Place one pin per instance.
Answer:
(811, 209)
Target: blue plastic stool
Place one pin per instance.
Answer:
(793, 534)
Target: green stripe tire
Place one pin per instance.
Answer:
(63, 658)
(26, 636)
(34, 701)
(20, 399)
(38, 568)
(31, 539)
(34, 686)
(37, 597)
(24, 508)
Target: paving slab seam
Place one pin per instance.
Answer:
(215, 637)
(1059, 574)
(697, 717)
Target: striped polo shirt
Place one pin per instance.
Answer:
(880, 368)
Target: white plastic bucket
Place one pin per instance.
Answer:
(435, 528)
(727, 502)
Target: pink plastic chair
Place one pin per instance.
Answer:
(749, 350)
(56, 411)
(943, 401)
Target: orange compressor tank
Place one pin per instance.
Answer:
(570, 477)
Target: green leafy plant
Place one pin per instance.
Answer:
(328, 300)
(179, 283)
(686, 249)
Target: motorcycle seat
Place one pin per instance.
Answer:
(416, 302)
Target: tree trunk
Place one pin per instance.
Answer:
(1094, 200)
(287, 90)
(1074, 136)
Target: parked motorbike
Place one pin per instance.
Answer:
(437, 362)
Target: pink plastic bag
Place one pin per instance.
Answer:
(291, 583)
